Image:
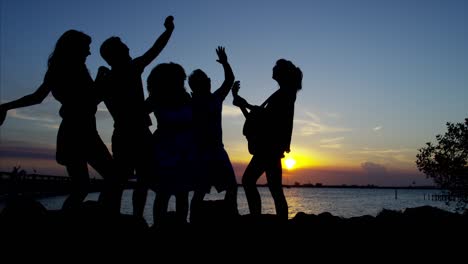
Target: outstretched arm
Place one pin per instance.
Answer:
(158, 46)
(30, 99)
(224, 89)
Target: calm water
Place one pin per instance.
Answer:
(338, 201)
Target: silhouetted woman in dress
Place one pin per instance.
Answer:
(174, 143)
(276, 131)
(78, 142)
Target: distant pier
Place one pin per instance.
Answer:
(18, 183)
(444, 197)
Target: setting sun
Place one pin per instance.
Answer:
(289, 162)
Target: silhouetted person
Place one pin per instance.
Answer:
(174, 145)
(78, 142)
(215, 168)
(277, 125)
(124, 98)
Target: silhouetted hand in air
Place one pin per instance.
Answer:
(238, 101)
(222, 57)
(169, 23)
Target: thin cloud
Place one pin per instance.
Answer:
(331, 146)
(231, 111)
(331, 143)
(52, 126)
(314, 126)
(377, 128)
(331, 140)
(45, 113)
(403, 155)
(333, 115)
(21, 149)
(313, 116)
(26, 115)
(381, 151)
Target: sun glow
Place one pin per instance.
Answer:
(289, 163)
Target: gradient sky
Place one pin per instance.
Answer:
(381, 78)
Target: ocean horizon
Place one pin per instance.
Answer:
(342, 202)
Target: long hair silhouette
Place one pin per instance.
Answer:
(78, 142)
(173, 140)
(276, 131)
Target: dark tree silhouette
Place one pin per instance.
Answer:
(446, 162)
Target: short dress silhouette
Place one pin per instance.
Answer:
(174, 149)
(77, 139)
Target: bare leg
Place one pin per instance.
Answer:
(249, 181)
(195, 204)
(182, 206)
(274, 179)
(144, 173)
(80, 185)
(139, 199)
(230, 197)
(160, 207)
(104, 164)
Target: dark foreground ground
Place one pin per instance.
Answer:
(25, 224)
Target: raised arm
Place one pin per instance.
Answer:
(30, 99)
(158, 46)
(224, 89)
(239, 101)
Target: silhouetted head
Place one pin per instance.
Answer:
(71, 48)
(115, 52)
(199, 82)
(166, 85)
(287, 75)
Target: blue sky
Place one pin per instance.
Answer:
(381, 78)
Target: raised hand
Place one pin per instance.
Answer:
(238, 101)
(222, 57)
(169, 23)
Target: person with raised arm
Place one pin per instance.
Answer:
(123, 95)
(78, 142)
(275, 136)
(215, 168)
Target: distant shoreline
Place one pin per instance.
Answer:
(358, 187)
(8, 177)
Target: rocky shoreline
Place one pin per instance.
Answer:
(28, 219)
